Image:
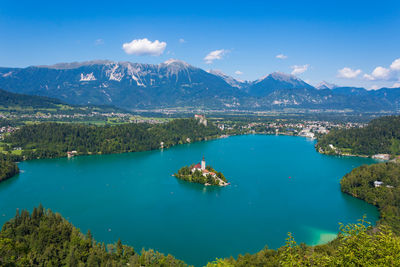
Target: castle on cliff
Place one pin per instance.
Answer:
(201, 118)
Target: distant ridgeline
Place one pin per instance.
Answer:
(44, 238)
(201, 174)
(381, 136)
(21, 103)
(50, 140)
(377, 184)
(177, 84)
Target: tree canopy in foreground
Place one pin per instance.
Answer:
(44, 238)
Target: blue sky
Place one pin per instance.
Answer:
(344, 42)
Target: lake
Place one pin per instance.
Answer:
(279, 184)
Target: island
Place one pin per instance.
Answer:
(202, 174)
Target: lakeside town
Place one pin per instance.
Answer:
(312, 129)
(307, 128)
(93, 116)
(230, 126)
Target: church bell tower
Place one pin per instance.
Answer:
(203, 164)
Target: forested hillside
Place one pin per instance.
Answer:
(381, 135)
(18, 109)
(8, 168)
(48, 140)
(8, 99)
(44, 238)
(360, 183)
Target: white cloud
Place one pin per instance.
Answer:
(299, 69)
(238, 72)
(385, 74)
(281, 56)
(396, 85)
(99, 41)
(381, 73)
(369, 77)
(144, 47)
(395, 64)
(348, 73)
(215, 55)
(182, 40)
(374, 87)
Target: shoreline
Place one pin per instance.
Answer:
(208, 138)
(345, 155)
(319, 243)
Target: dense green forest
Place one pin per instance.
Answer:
(8, 168)
(44, 238)
(185, 173)
(360, 183)
(49, 140)
(381, 135)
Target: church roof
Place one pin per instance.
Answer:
(197, 166)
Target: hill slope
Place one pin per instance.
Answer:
(8, 99)
(49, 140)
(382, 135)
(14, 103)
(360, 183)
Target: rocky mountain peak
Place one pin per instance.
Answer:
(325, 85)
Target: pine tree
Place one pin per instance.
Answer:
(120, 249)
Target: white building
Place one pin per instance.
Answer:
(381, 156)
(202, 167)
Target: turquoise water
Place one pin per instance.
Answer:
(132, 196)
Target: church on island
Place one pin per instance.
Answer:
(202, 167)
(202, 174)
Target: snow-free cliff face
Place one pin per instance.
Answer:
(175, 83)
(229, 79)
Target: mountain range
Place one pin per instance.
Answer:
(175, 83)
